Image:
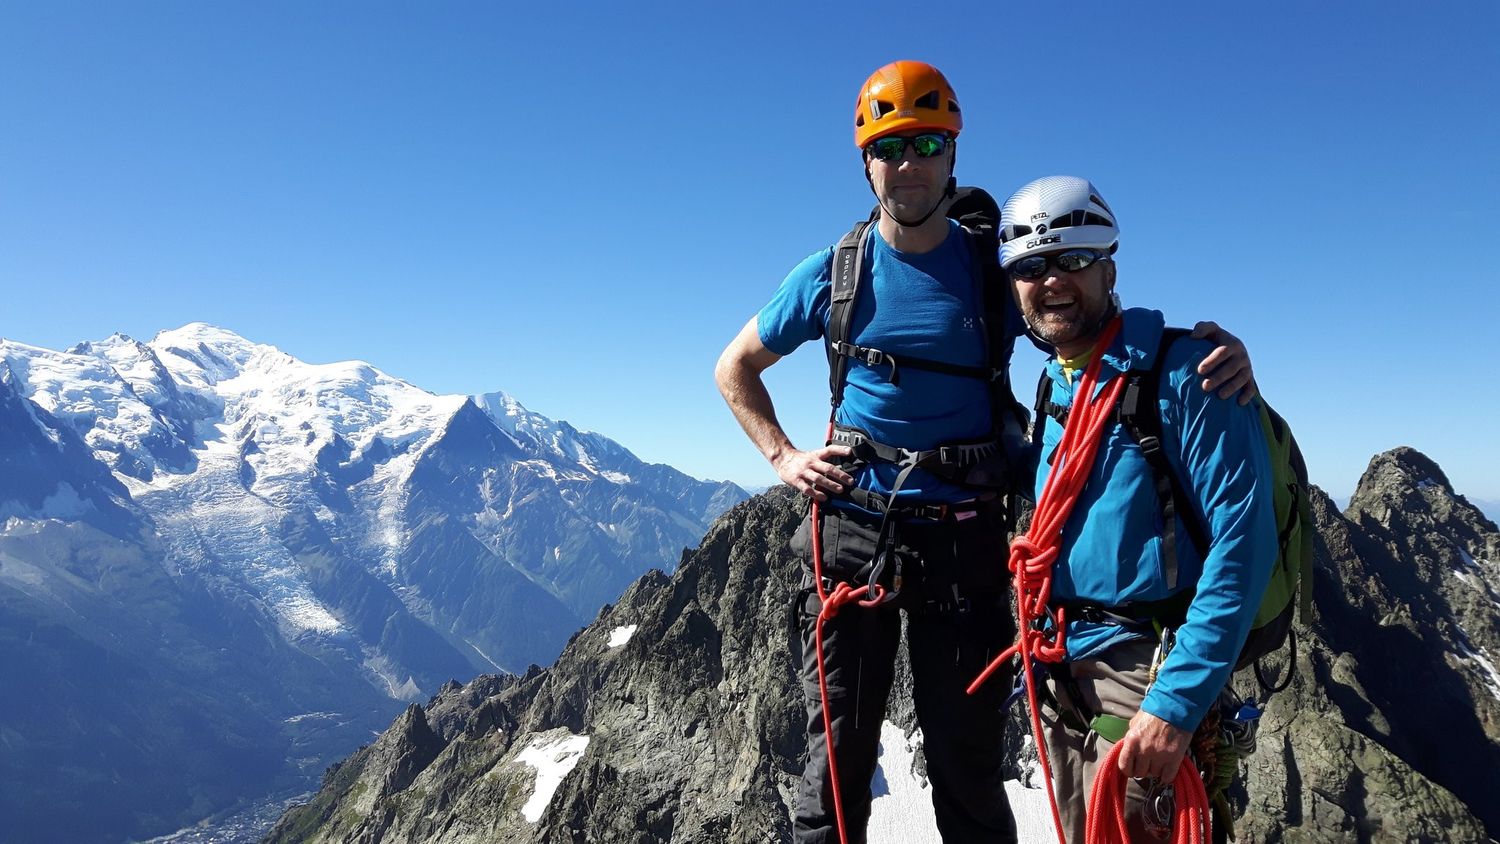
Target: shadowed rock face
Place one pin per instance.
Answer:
(1390, 729)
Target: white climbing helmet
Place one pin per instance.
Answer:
(1056, 212)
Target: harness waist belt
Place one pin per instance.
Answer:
(951, 455)
(877, 503)
(1169, 612)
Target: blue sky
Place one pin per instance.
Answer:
(581, 204)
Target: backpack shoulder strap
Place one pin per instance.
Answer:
(1140, 413)
(1041, 407)
(1302, 511)
(994, 301)
(845, 273)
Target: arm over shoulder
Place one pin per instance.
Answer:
(1221, 452)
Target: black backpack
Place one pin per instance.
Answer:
(987, 465)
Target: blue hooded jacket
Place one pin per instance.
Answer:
(1111, 544)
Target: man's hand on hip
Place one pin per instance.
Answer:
(811, 473)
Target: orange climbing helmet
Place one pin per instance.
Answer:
(902, 96)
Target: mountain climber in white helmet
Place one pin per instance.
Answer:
(1145, 622)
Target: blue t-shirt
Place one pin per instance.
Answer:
(924, 305)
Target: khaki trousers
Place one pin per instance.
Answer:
(1113, 684)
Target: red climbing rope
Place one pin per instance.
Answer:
(1032, 555)
(829, 604)
(1106, 816)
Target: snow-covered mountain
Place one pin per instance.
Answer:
(373, 533)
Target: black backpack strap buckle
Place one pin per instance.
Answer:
(935, 512)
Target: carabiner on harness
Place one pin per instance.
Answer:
(1160, 807)
(1018, 690)
(1167, 637)
(885, 556)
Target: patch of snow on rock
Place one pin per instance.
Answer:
(1492, 674)
(902, 810)
(553, 756)
(621, 635)
(1493, 680)
(64, 504)
(311, 716)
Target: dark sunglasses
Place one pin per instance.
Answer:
(892, 147)
(1033, 267)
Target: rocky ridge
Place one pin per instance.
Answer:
(1390, 730)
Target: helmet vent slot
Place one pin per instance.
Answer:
(1080, 218)
(953, 106)
(1009, 233)
(929, 100)
(1095, 198)
(882, 108)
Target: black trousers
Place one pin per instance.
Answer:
(954, 591)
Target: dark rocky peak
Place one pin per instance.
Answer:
(1405, 501)
(1394, 702)
(469, 442)
(455, 703)
(1406, 462)
(1397, 485)
(401, 753)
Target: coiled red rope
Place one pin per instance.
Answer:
(1106, 816)
(1033, 554)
